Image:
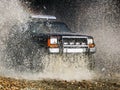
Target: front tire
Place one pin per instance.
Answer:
(91, 62)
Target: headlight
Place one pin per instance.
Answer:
(53, 40)
(91, 43)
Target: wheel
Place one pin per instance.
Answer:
(91, 62)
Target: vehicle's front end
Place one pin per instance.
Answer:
(71, 44)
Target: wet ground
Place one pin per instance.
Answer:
(15, 84)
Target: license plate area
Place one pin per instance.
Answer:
(74, 50)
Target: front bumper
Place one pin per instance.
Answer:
(72, 50)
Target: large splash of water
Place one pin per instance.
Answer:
(11, 13)
(20, 58)
(101, 19)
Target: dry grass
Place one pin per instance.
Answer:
(15, 84)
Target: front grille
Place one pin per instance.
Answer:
(74, 41)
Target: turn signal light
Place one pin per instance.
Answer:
(91, 45)
(53, 45)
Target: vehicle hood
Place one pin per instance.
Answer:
(68, 34)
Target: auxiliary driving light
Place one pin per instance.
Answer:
(77, 43)
(65, 43)
(83, 43)
(71, 43)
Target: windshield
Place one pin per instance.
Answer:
(48, 27)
